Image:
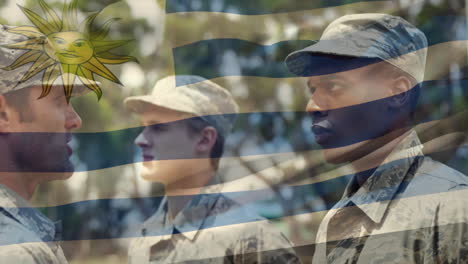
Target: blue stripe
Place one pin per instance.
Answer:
(216, 58)
(234, 57)
(99, 150)
(252, 7)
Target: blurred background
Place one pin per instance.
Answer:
(271, 148)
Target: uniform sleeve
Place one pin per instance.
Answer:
(451, 244)
(450, 237)
(24, 254)
(265, 244)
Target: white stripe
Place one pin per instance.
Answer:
(129, 185)
(272, 27)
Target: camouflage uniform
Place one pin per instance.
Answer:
(26, 235)
(199, 234)
(211, 228)
(412, 209)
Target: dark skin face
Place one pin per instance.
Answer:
(350, 109)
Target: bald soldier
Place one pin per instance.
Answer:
(34, 148)
(181, 144)
(364, 77)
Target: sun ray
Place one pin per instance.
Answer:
(103, 45)
(52, 17)
(73, 12)
(68, 77)
(27, 31)
(104, 31)
(27, 57)
(70, 20)
(116, 61)
(109, 58)
(44, 26)
(87, 79)
(30, 44)
(50, 75)
(39, 65)
(85, 26)
(97, 67)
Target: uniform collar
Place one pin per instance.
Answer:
(189, 221)
(22, 211)
(375, 195)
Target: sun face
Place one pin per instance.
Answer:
(62, 47)
(69, 47)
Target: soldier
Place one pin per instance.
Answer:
(34, 138)
(364, 75)
(183, 139)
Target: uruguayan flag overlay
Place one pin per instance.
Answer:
(240, 131)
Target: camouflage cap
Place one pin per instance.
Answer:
(375, 36)
(201, 98)
(10, 79)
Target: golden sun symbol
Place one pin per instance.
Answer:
(62, 47)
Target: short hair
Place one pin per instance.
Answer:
(19, 100)
(196, 125)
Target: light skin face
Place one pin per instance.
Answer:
(172, 155)
(342, 108)
(46, 150)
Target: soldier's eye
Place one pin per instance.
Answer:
(158, 127)
(311, 89)
(333, 87)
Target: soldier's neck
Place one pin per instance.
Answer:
(21, 184)
(179, 195)
(375, 158)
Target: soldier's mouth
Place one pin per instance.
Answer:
(148, 157)
(322, 134)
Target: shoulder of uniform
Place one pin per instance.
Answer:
(37, 253)
(232, 212)
(439, 176)
(14, 232)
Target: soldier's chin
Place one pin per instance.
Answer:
(150, 171)
(349, 153)
(63, 172)
(336, 155)
(60, 175)
(54, 174)
(56, 170)
(166, 172)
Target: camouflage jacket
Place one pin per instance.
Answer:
(210, 229)
(412, 209)
(26, 235)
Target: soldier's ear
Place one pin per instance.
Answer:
(5, 116)
(207, 139)
(400, 91)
